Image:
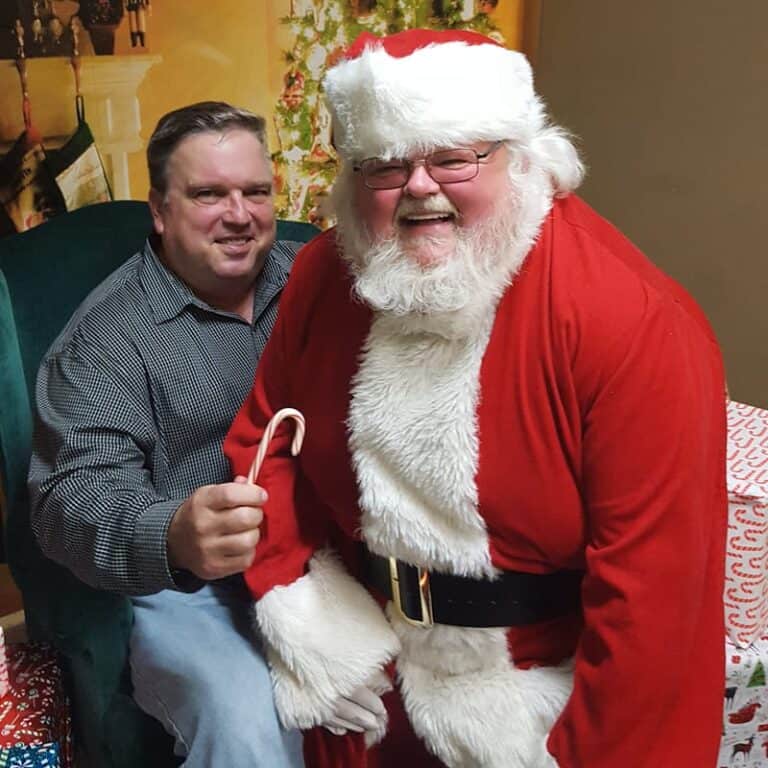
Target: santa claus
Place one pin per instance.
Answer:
(511, 493)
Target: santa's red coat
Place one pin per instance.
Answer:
(601, 425)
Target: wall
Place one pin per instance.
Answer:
(668, 99)
(222, 51)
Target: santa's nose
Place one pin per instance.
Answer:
(420, 183)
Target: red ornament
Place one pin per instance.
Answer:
(293, 89)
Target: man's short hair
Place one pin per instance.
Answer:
(172, 128)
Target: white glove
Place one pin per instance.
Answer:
(362, 710)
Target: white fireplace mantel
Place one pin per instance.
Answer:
(109, 85)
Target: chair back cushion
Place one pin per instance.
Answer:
(52, 268)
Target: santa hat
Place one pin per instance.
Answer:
(418, 89)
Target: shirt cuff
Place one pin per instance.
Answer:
(151, 553)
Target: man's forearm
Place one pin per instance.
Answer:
(110, 539)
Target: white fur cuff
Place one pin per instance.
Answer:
(325, 636)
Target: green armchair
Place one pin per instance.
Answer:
(44, 274)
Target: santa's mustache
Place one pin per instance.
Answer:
(436, 205)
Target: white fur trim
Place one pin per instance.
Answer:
(414, 445)
(468, 702)
(325, 637)
(440, 95)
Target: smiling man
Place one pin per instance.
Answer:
(128, 481)
(515, 435)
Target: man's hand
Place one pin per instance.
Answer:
(215, 531)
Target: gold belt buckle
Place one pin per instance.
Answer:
(425, 596)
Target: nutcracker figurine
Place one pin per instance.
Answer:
(137, 19)
(18, 31)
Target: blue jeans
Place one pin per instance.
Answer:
(198, 668)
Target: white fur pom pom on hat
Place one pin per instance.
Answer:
(421, 89)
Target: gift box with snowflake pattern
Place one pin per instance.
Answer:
(43, 756)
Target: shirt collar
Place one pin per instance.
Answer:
(169, 296)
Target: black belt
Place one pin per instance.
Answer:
(513, 599)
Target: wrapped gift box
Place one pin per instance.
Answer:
(746, 576)
(43, 756)
(34, 713)
(745, 710)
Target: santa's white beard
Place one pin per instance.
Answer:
(453, 296)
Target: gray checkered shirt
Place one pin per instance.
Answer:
(133, 401)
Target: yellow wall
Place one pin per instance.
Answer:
(509, 17)
(210, 51)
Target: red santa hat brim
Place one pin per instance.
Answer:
(420, 89)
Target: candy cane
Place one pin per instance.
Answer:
(274, 422)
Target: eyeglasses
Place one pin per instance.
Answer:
(448, 166)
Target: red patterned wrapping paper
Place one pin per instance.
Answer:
(746, 579)
(35, 710)
(3, 666)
